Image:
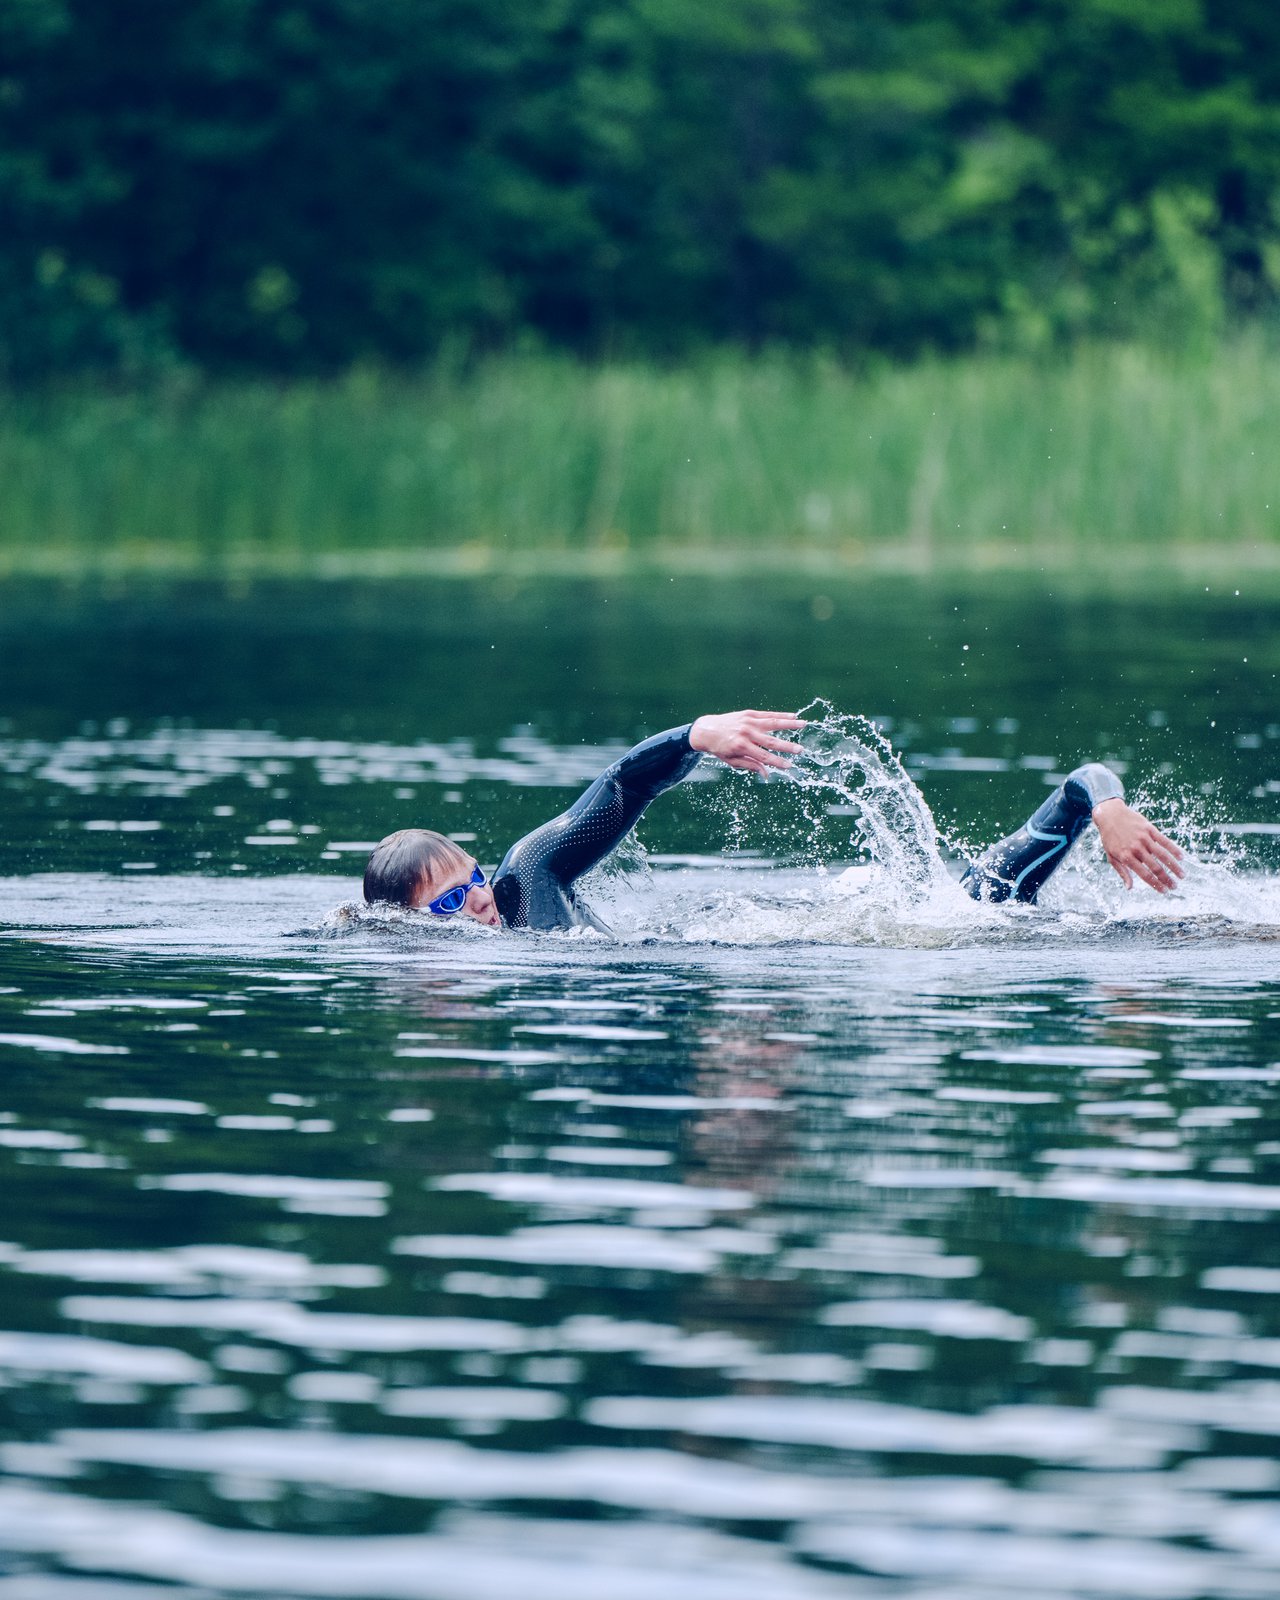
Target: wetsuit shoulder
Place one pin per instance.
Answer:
(533, 888)
(1019, 867)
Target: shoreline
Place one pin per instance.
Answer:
(1087, 566)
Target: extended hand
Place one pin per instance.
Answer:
(1135, 846)
(744, 739)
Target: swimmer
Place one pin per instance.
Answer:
(534, 886)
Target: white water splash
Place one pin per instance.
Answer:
(384, 921)
(905, 894)
(900, 891)
(850, 766)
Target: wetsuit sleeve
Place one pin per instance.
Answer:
(533, 888)
(1019, 867)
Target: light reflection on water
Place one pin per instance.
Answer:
(802, 1242)
(811, 1270)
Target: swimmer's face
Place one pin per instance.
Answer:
(478, 905)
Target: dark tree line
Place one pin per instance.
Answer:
(299, 184)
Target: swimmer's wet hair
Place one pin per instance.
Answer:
(402, 860)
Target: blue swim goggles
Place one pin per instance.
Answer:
(452, 900)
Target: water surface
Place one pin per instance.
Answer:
(817, 1235)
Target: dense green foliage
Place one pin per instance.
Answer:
(515, 462)
(301, 184)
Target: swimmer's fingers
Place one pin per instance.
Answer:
(1130, 866)
(1166, 854)
(1130, 863)
(1160, 860)
(1136, 847)
(743, 739)
(1155, 860)
(778, 719)
(772, 720)
(1160, 870)
(1170, 853)
(756, 761)
(770, 754)
(761, 753)
(1155, 876)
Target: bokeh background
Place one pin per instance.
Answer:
(298, 286)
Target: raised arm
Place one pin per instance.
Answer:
(1019, 867)
(534, 885)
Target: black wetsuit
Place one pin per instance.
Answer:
(1019, 867)
(533, 888)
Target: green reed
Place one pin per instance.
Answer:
(1109, 454)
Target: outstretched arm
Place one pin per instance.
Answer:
(1019, 867)
(1136, 847)
(533, 885)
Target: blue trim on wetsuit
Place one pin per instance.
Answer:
(1019, 867)
(533, 888)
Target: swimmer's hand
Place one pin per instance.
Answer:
(1136, 847)
(744, 739)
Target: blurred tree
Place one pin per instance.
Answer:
(301, 184)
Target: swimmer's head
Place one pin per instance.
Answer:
(415, 866)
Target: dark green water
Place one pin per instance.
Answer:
(797, 1243)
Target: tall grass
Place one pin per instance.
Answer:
(1111, 452)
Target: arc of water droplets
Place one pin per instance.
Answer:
(849, 758)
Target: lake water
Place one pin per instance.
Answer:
(820, 1234)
